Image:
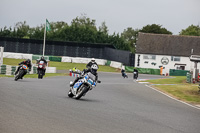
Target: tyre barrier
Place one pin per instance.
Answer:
(10, 70)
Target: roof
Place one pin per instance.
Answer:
(162, 44)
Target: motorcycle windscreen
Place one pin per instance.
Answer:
(41, 62)
(91, 76)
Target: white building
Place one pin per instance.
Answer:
(169, 51)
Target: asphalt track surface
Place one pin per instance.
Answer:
(116, 105)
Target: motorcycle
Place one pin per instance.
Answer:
(83, 85)
(22, 71)
(124, 75)
(41, 68)
(135, 75)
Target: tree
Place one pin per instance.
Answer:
(22, 30)
(154, 28)
(37, 32)
(103, 28)
(130, 36)
(192, 30)
(5, 32)
(56, 32)
(81, 29)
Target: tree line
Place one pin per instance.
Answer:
(84, 29)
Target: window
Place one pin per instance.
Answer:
(149, 57)
(175, 58)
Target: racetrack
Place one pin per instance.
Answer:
(117, 105)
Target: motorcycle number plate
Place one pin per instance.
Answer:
(25, 67)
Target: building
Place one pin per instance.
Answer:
(168, 51)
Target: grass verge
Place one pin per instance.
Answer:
(36, 75)
(67, 66)
(61, 65)
(181, 90)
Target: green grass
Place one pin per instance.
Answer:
(2, 75)
(67, 66)
(46, 75)
(13, 62)
(186, 92)
(183, 91)
(62, 65)
(173, 80)
(36, 75)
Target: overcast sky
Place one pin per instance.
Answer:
(174, 15)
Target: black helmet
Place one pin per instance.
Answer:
(42, 58)
(28, 61)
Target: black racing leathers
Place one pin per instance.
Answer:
(23, 63)
(90, 64)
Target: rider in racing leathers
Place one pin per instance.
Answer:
(45, 62)
(93, 69)
(27, 62)
(91, 63)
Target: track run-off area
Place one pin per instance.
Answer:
(116, 105)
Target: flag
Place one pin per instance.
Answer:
(48, 27)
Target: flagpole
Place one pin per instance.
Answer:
(44, 37)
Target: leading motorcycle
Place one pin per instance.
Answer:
(41, 68)
(22, 71)
(83, 85)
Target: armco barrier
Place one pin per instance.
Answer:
(108, 63)
(7, 69)
(51, 58)
(116, 64)
(143, 70)
(149, 71)
(55, 58)
(173, 72)
(3, 69)
(129, 68)
(17, 55)
(66, 59)
(10, 70)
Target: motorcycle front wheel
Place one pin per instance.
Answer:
(40, 74)
(81, 91)
(19, 75)
(70, 94)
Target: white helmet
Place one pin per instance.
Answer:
(93, 59)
